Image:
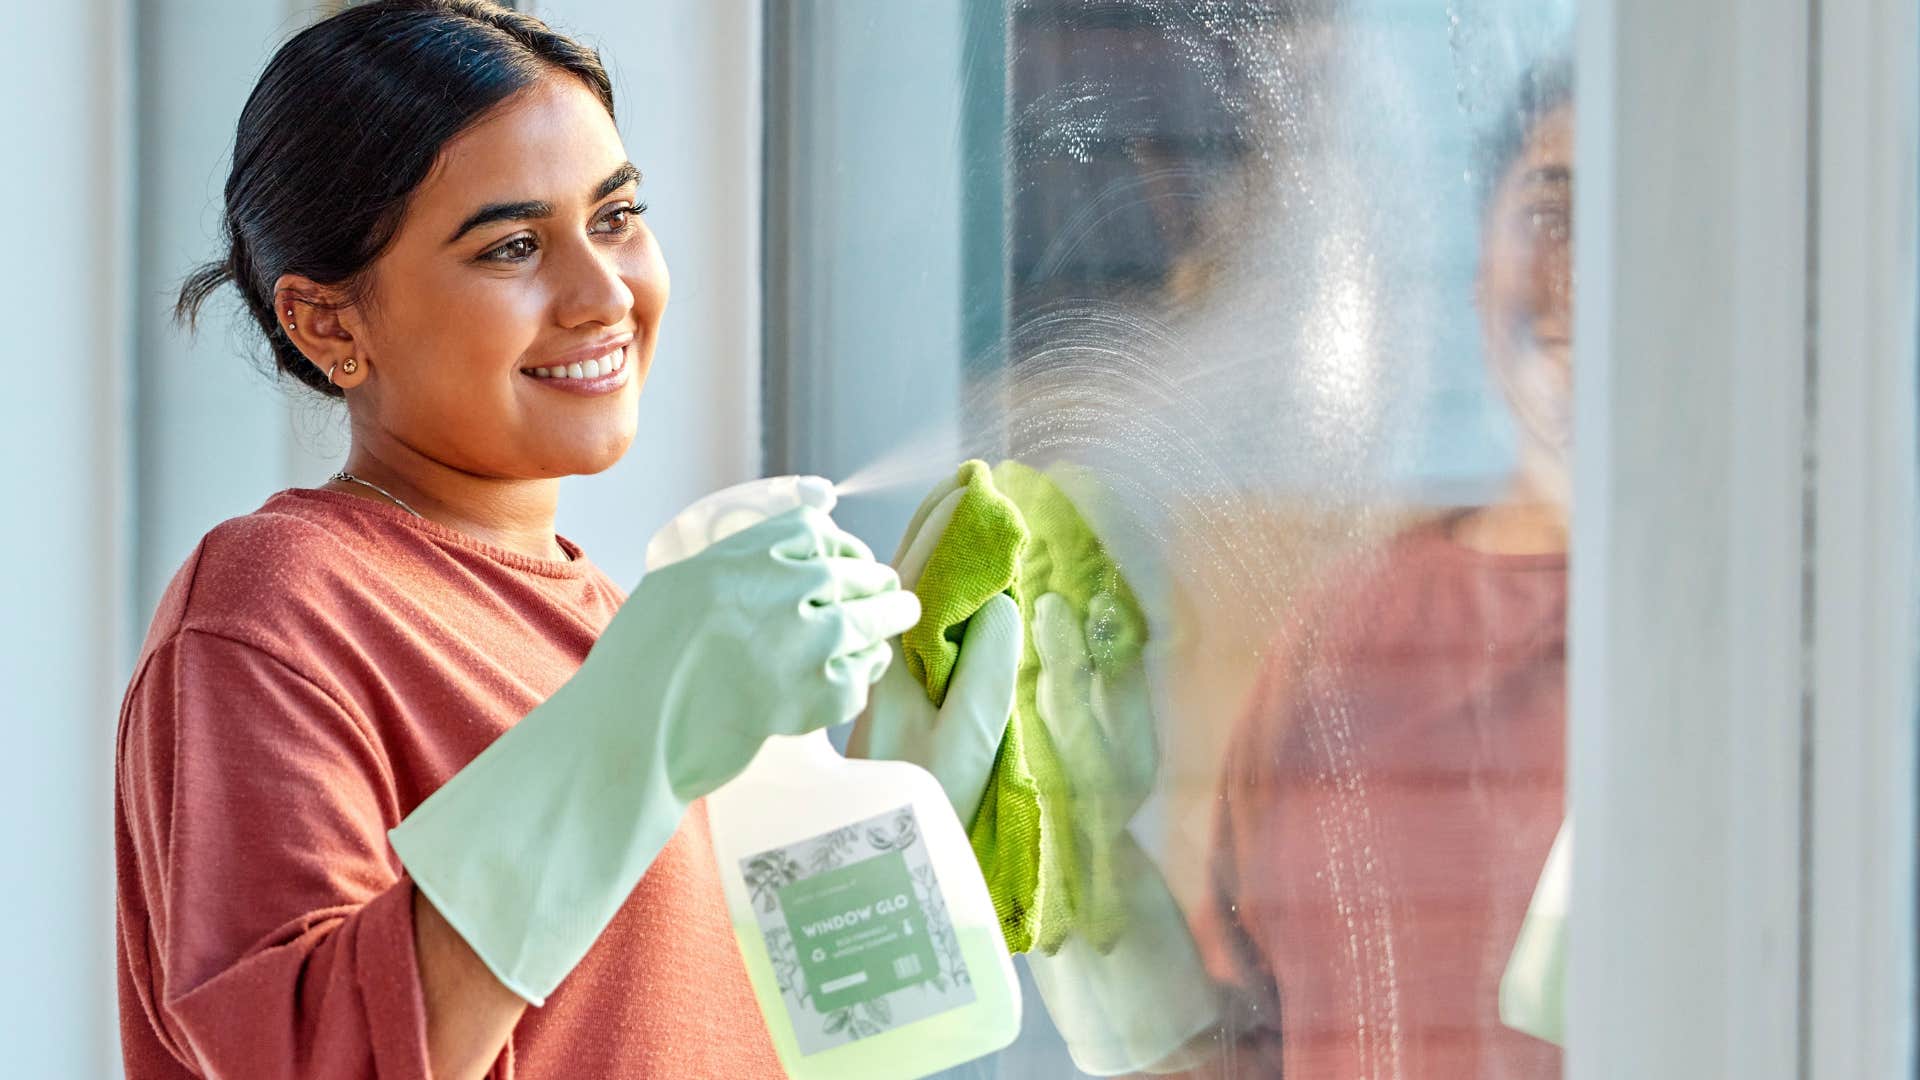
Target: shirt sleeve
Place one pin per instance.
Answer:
(279, 923)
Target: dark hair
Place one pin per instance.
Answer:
(1542, 88)
(346, 121)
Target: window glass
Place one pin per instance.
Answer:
(1277, 295)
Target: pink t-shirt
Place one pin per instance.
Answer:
(315, 670)
(1387, 805)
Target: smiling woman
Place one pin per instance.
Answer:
(357, 825)
(436, 286)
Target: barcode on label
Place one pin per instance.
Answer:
(906, 967)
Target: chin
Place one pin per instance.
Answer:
(586, 459)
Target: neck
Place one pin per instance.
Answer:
(1524, 522)
(509, 513)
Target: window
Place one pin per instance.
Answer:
(1283, 292)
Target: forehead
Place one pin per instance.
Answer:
(552, 140)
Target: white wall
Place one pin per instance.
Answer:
(212, 438)
(64, 285)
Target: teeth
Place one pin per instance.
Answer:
(591, 369)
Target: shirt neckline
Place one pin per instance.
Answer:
(574, 568)
(1441, 531)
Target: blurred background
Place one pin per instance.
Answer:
(1283, 293)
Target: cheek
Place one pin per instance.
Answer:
(1552, 276)
(646, 275)
(1505, 290)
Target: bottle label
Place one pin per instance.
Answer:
(857, 930)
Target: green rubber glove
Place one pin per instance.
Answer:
(957, 740)
(1127, 990)
(1533, 990)
(1102, 728)
(531, 849)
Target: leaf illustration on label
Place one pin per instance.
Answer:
(766, 874)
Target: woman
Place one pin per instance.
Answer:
(1391, 793)
(375, 796)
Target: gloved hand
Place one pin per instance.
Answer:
(531, 849)
(1102, 727)
(1533, 990)
(1127, 990)
(958, 740)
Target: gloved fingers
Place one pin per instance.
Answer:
(1064, 690)
(966, 738)
(853, 579)
(873, 619)
(854, 674)
(836, 691)
(837, 542)
(897, 724)
(804, 533)
(917, 523)
(1123, 707)
(988, 668)
(832, 694)
(917, 546)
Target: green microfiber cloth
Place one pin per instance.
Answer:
(1015, 532)
(1065, 556)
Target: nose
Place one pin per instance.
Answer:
(593, 289)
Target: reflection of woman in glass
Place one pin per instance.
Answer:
(1391, 793)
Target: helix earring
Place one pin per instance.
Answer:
(289, 315)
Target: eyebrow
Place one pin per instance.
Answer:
(1552, 174)
(538, 208)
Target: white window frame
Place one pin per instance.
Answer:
(1742, 645)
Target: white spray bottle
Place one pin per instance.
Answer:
(866, 926)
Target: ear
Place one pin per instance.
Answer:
(316, 319)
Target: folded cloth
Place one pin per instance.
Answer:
(1065, 560)
(1013, 531)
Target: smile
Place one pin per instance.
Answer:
(611, 362)
(591, 378)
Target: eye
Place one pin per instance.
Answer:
(524, 246)
(629, 218)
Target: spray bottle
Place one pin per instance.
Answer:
(867, 930)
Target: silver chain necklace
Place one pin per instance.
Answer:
(352, 479)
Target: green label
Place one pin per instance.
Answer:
(857, 931)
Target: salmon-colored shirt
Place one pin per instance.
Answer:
(1387, 805)
(315, 670)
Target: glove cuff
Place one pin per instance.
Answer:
(530, 850)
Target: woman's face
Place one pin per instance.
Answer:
(1526, 295)
(522, 249)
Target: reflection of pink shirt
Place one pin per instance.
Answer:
(314, 671)
(1387, 805)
